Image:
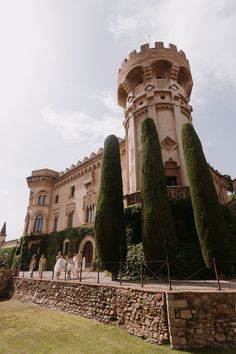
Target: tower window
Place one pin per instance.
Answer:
(42, 199)
(56, 199)
(38, 223)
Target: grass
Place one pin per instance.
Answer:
(30, 329)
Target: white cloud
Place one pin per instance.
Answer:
(108, 98)
(78, 127)
(205, 30)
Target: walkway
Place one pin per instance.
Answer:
(176, 285)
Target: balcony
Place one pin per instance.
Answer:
(174, 192)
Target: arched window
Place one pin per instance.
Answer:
(90, 213)
(38, 223)
(135, 76)
(42, 199)
(161, 69)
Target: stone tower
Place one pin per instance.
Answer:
(157, 83)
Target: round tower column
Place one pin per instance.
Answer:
(156, 82)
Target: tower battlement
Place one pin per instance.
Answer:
(151, 64)
(149, 54)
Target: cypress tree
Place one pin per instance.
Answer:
(109, 224)
(212, 232)
(158, 231)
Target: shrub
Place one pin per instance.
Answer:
(7, 255)
(133, 224)
(109, 224)
(212, 232)
(158, 232)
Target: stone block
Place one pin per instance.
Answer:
(178, 342)
(181, 333)
(225, 309)
(185, 314)
(178, 323)
(171, 313)
(199, 331)
(178, 303)
(220, 337)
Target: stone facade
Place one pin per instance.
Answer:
(142, 313)
(154, 82)
(201, 319)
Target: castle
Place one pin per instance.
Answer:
(154, 82)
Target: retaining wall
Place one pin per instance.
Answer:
(142, 313)
(183, 319)
(201, 318)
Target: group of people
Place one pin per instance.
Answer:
(68, 259)
(42, 263)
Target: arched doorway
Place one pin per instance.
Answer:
(86, 249)
(88, 254)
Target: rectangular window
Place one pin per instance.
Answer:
(55, 223)
(70, 219)
(72, 191)
(56, 199)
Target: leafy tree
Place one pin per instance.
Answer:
(109, 224)
(212, 232)
(158, 231)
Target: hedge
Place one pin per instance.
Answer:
(158, 232)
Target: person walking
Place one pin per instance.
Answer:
(42, 263)
(32, 265)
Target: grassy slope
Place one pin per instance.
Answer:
(29, 329)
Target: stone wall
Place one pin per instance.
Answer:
(185, 319)
(201, 318)
(142, 313)
(6, 282)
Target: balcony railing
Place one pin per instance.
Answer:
(174, 192)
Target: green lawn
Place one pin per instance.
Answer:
(30, 329)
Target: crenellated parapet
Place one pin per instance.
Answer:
(149, 64)
(146, 52)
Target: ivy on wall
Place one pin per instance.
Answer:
(49, 245)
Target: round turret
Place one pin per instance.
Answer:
(153, 64)
(157, 83)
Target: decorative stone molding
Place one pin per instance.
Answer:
(89, 199)
(168, 144)
(164, 106)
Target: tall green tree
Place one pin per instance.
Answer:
(109, 221)
(158, 231)
(212, 231)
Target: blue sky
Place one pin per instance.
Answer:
(58, 68)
